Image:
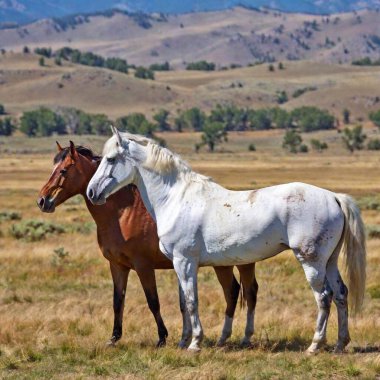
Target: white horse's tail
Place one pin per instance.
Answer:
(354, 249)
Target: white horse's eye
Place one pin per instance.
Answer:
(111, 160)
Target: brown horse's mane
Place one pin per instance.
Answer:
(60, 156)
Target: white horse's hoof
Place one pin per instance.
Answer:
(194, 349)
(110, 343)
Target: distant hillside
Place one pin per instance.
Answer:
(22, 11)
(25, 85)
(235, 36)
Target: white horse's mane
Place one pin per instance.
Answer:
(159, 159)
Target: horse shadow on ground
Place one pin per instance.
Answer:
(283, 345)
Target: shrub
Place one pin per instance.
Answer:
(318, 145)
(252, 147)
(282, 97)
(300, 91)
(6, 127)
(9, 215)
(373, 144)
(346, 116)
(373, 231)
(41, 61)
(2, 109)
(59, 256)
(34, 230)
(45, 52)
(375, 117)
(369, 203)
(271, 67)
(303, 148)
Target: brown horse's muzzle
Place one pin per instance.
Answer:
(46, 204)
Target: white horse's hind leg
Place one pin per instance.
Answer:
(340, 293)
(187, 271)
(186, 324)
(315, 275)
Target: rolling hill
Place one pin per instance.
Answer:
(236, 36)
(25, 85)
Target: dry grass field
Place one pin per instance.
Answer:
(56, 313)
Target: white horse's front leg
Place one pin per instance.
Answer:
(187, 271)
(186, 323)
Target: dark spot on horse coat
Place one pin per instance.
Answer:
(297, 197)
(227, 205)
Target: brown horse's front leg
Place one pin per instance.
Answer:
(120, 278)
(148, 282)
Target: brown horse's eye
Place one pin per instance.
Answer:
(63, 171)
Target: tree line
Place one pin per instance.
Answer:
(214, 126)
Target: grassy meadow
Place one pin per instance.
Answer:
(56, 294)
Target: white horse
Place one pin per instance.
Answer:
(201, 223)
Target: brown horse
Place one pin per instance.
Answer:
(127, 237)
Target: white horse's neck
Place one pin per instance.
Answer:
(155, 190)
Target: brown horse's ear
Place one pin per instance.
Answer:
(60, 149)
(73, 151)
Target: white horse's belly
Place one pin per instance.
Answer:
(240, 255)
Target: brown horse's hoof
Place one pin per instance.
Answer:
(111, 342)
(161, 343)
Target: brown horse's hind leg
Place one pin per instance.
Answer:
(120, 278)
(148, 282)
(250, 289)
(231, 290)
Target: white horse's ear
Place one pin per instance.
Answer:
(117, 134)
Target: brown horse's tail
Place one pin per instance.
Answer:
(242, 297)
(354, 250)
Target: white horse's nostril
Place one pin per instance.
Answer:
(91, 194)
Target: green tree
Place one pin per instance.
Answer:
(271, 68)
(2, 109)
(213, 133)
(160, 66)
(375, 117)
(161, 117)
(354, 138)
(260, 119)
(194, 119)
(41, 61)
(281, 66)
(144, 73)
(201, 65)
(136, 123)
(26, 50)
(280, 118)
(6, 127)
(58, 61)
(310, 119)
(292, 141)
(346, 116)
(42, 122)
(232, 117)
